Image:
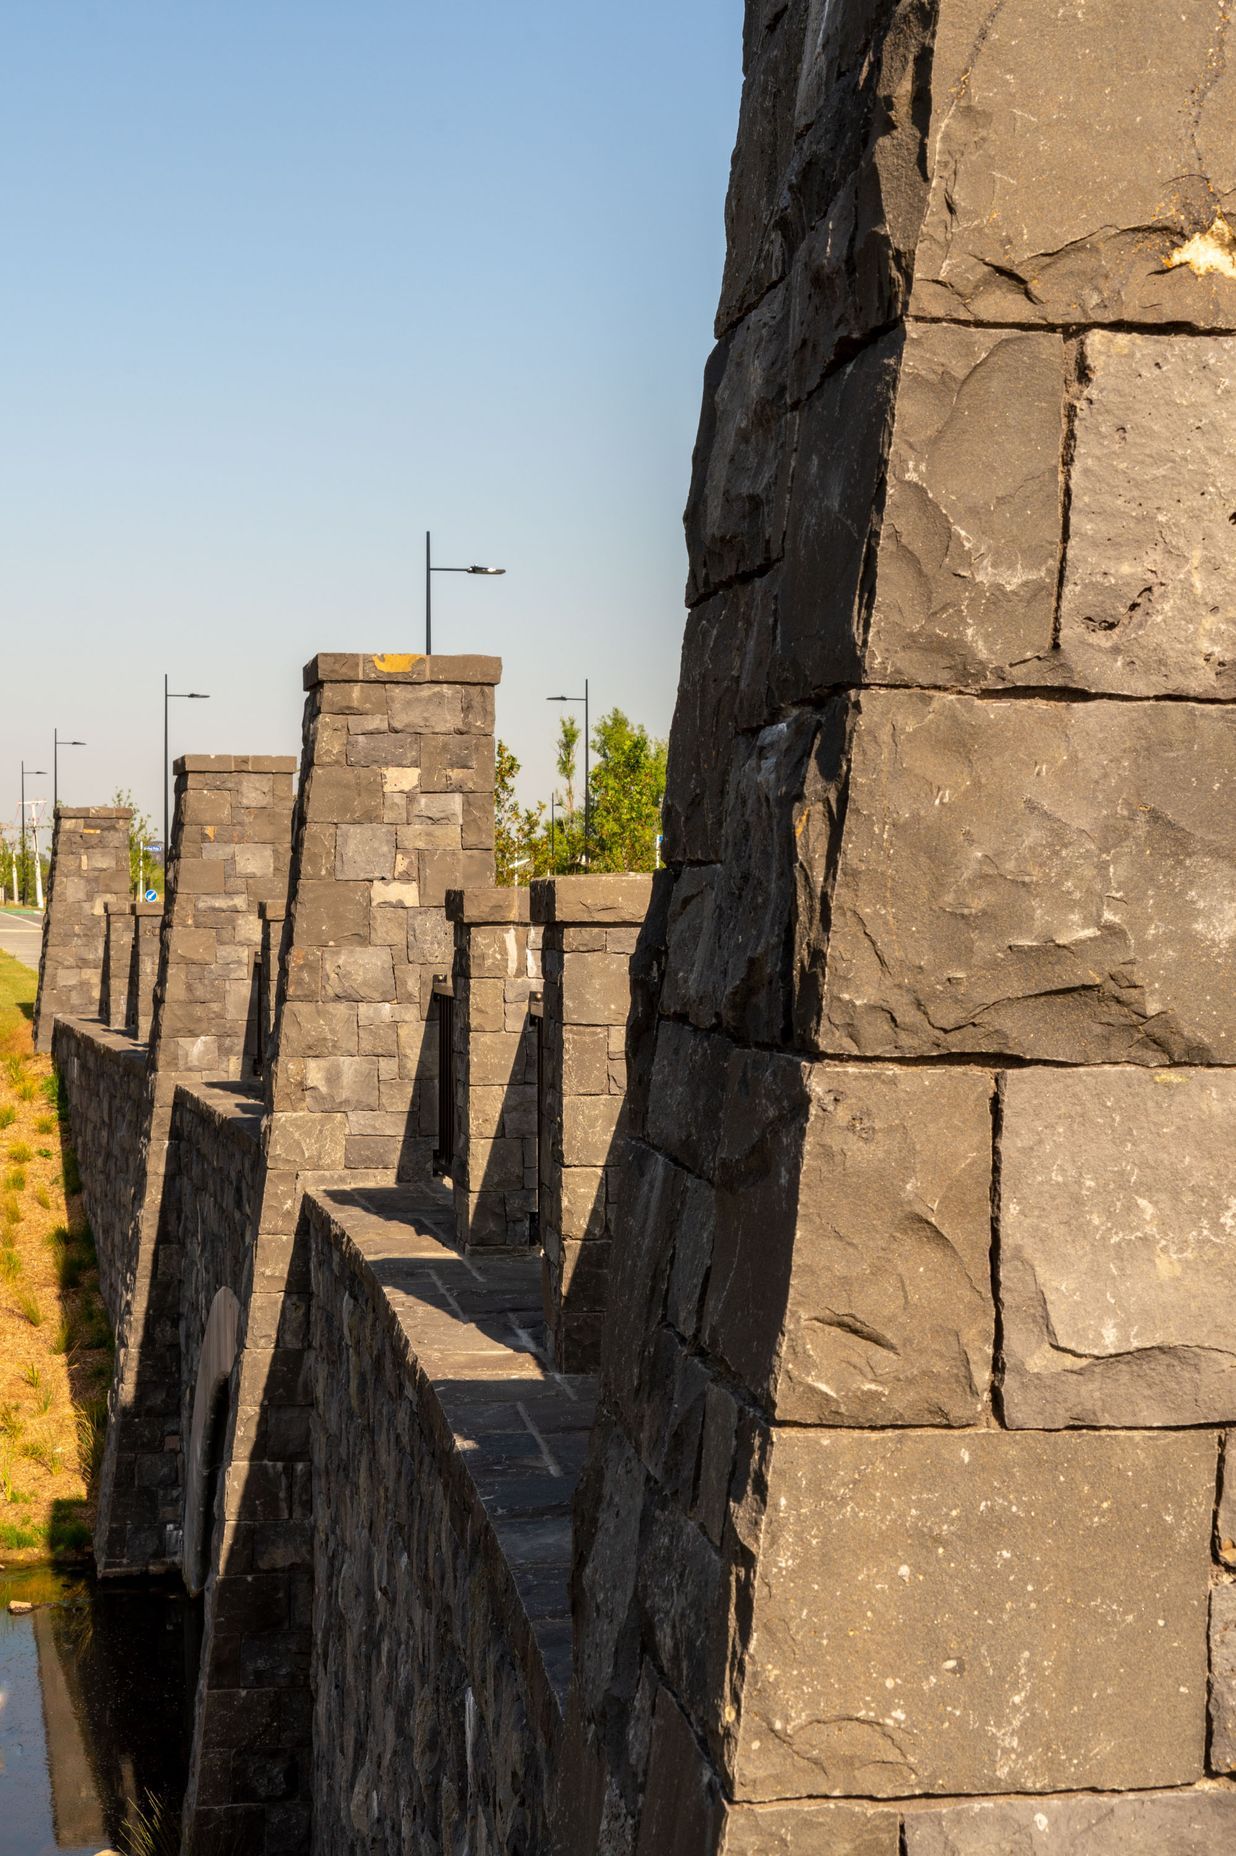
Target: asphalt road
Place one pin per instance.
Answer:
(21, 935)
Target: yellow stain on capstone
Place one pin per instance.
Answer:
(1212, 252)
(391, 661)
(208, 832)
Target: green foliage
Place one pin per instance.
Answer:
(141, 829)
(626, 784)
(520, 848)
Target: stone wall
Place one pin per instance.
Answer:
(89, 869)
(917, 1360)
(144, 974)
(445, 1456)
(590, 925)
(119, 941)
(230, 850)
(395, 807)
(103, 1074)
(497, 967)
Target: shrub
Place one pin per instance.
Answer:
(19, 1153)
(8, 1115)
(15, 1179)
(32, 1309)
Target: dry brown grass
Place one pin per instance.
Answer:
(55, 1350)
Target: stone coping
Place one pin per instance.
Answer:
(473, 1343)
(501, 904)
(120, 1044)
(133, 908)
(400, 667)
(63, 811)
(235, 763)
(236, 1108)
(272, 911)
(146, 910)
(614, 899)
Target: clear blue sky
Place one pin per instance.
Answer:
(286, 282)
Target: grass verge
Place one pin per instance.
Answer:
(55, 1345)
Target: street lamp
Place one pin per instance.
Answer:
(172, 696)
(430, 571)
(57, 744)
(36, 773)
(587, 798)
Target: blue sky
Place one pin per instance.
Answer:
(286, 282)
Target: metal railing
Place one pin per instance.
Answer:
(444, 1152)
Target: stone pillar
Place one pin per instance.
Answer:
(118, 957)
(395, 808)
(89, 869)
(274, 914)
(590, 925)
(497, 968)
(148, 920)
(230, 850)
(919, 1350)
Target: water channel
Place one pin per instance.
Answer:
(95, 1689)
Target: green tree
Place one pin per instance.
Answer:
(521, 847)
(141, 864)
(568, 741)
(627, 783)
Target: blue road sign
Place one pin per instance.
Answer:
(152, 895)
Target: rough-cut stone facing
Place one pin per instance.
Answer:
(117, 963)
(1077, 203)
(89, 869)
(1049, 879)
(104, 1077)
(811, 1829)
(878, 1212)
(1183, 1823)
(984, 1612)
(1223, 1677)
(970, 543)
(589, 925)
(1225, 1529)
(1148, 603)
(1117, 1261)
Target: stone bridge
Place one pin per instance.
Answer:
(741, 1364)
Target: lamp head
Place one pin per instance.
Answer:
(487, 570)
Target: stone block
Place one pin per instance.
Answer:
(1182, 1823)
(1047, 860)
(979, 1612)
(585, 1059)
(851, 1271)
(364, 852)
(682, 1800)
(1117, 1258)
(341, 1082)
(604, 899)
(343, 795)
(970, 541)
(596, 989)
(307, 1141)
(1223, 1677)
(312, 1030)
(1148, 601)
(591, 1130)
(360, 973)
(1225, 1530)
(331, 914)
(1028, 224)
(431, 708)
(811, 1828)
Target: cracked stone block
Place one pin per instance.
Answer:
(868, 1299)
(1225, 1530)
(1183, 1823)
(1118, 1247)
(1126, 220)
(1148, 605)
(989, 1611)
(1223, 1678)
(1052, 880)
(970, 542)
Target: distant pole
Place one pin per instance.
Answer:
(38, 868)
(36, 773)
(170, 696)
(428, 597)
(587, 789)
(57, 744)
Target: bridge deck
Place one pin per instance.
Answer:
(472, 1330)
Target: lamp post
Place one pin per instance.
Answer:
(430, 571)
(36, 773)
(57, 744)
(168, 697)
(587, 795)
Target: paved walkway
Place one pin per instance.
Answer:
(21, 933)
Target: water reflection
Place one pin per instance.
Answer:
(93, 1711)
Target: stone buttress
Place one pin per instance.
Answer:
(899, 1528)
(395, 808)
(230, 851)
(89, 872)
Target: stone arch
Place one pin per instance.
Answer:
(207, 1435)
